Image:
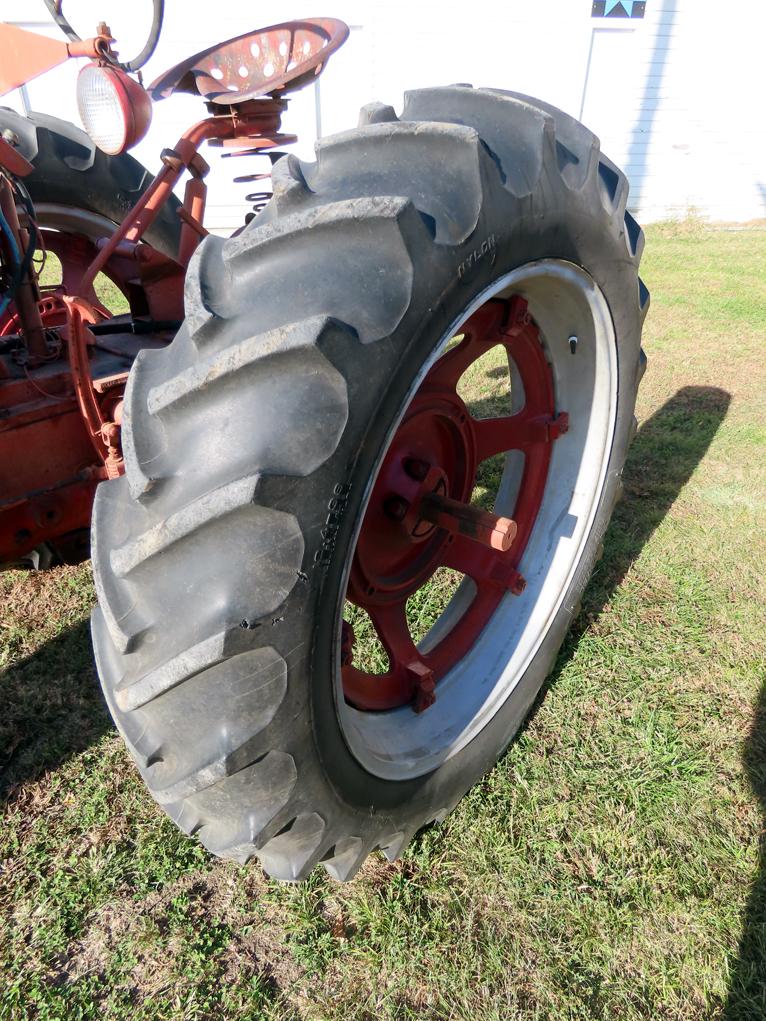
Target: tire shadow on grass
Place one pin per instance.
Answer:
(662, 458)
(666, 450)
(664, 454)
(747, 984)
(52, 708)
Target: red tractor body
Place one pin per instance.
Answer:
(64, 356)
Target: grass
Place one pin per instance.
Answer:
(107, 292)
(610, 867)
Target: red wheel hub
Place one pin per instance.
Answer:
(420, 516)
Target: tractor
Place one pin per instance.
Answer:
(263, 444)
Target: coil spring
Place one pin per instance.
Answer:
(259, 199)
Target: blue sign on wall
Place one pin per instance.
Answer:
(618, 9)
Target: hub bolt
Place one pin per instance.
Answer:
(396, 507)
(473, 522)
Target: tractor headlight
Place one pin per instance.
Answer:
(114, 109)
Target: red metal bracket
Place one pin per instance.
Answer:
(104, 433)
(424, 685)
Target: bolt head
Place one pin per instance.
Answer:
(396, 507)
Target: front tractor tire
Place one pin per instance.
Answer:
(302, 446)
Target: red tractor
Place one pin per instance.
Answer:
(265, 448)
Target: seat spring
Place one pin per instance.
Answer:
(259, 199)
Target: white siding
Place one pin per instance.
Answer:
(677, 98)
(684, 117)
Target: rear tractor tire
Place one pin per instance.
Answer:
(302, 452)
(76, 188)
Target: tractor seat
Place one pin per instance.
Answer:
(278, 59)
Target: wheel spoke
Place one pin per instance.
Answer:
(420, 516)
(484, 566)
(466, 557)
(447, 371)
(480, 332)
(390, 621)
(408, 677)
(496, 435)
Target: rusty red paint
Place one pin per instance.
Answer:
(279, 58)
(222, 127)
(60, 385)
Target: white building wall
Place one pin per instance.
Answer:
(677, 100)
(676, 97)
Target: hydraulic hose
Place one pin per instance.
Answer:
(151, 43)
(21, 264)
(16, 256)
(54, 7)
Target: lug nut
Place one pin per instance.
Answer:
(518, 585)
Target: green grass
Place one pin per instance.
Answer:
(610, 867)
(107, 292)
